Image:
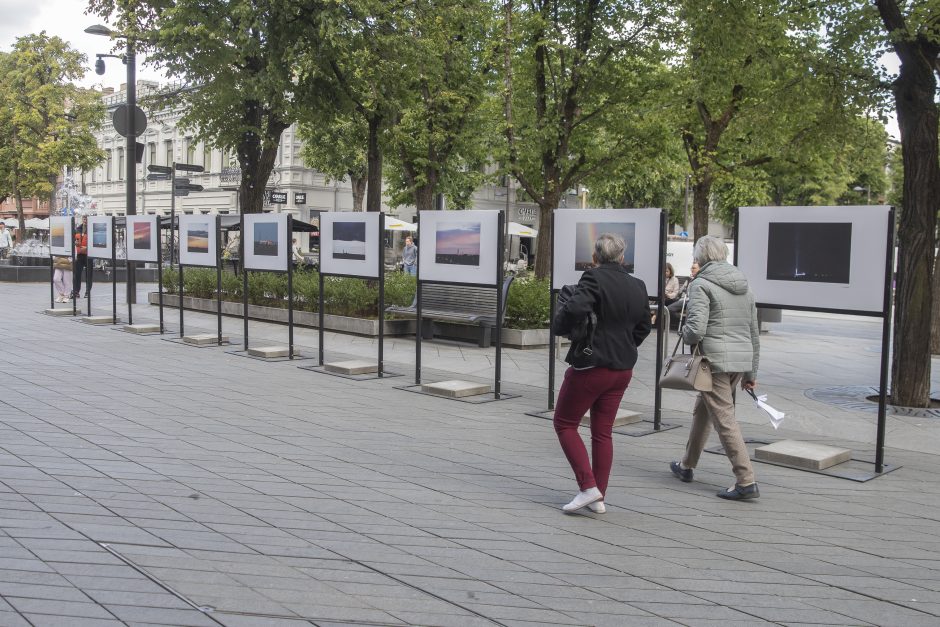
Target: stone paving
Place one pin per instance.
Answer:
(147, 482)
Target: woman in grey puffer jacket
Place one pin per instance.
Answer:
(722, 319)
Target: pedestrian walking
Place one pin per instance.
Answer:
(721, 318)
(82, 262)
(6, 241)
(600, 370)
(409, 257)
(62, 279)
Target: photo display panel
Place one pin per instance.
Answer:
(458, 246)
(142, 238)
(100, 242)
(197, 240)
(576, 230)
(267, 242)
(349, 243)
(60, 236)
(827, 258)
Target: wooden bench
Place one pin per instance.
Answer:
(459, 304)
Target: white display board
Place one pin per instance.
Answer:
(100, 237)
(823, 258)
(198, 246)
(60, 236)
(349, 243)
(142, 238)
(576, 230)
(459, 246)
(267, 245)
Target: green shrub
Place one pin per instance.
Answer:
(171, 280)
(527, 306)
(400, 289)
(200, 282)
(306, 290)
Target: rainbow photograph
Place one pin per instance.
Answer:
(586, 233)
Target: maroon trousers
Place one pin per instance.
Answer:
(599, 390)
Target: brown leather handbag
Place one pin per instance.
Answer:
(686, 371)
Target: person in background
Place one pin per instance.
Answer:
(6, 241)
(675, 309)
(409, 257)
(296, 256)
(82, 261)
(722, 320)
(62, 278)
(598, 378)
(672, 285)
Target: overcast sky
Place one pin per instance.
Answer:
(67, 19)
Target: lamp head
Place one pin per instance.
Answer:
(99, 66)
(100, 29)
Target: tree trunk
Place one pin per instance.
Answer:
(935, 330)
(701, 192)
(358, 185)
(18, 195)
(424, 197)
(52, 198)
(256, 155)
(374, 165)
(915, 90)
(543, 248)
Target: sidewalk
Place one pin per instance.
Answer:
(147, 482)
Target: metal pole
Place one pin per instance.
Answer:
(885, 347)
(685, 214)
(74, 269)
(320, 308)
(51, 279)
(159, 268)
(419, 330)
(130, 153)
(218, 277)
(660, 319)
(381, 258)
(551, 324)
(172, 211)
(181, 300)
(501, 222)
(241, 252)
(114, 279)
(289, 252)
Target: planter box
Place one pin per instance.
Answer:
(512, 338)
(342, 324)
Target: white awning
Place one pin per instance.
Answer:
(394, 224)
(514, 228)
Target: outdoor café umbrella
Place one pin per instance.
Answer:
(394, 224)
(38, 223)
(514, 228)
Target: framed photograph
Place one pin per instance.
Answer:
(198, 245)
(823, 258)
(576, 230)
(267, 242)
(143, 238)
(100, 242)
(60, 236)
(459, 246)
(349, 243)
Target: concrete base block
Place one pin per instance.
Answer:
(623, 417)
(59, 312)
(456, 388)
(803, 454)
(142, 328)
(99, 320)
(353, 366)
(269, 352)
(204, 339)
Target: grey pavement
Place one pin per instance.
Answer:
(147, 482)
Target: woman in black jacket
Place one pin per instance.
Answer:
(599, 375)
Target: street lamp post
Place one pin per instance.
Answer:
(866, 189)
(130, 149)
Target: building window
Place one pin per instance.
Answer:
(120, 164)
(107, 168)
(189, 150)
(207, 157)
(151, 153)
(168, 151)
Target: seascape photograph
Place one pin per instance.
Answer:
(265, 239)
(142, 236)
(458, 243)
(349, 240)
(197, 237)
(58, 236)
(814, 252)
(99, 235)
(586, 233)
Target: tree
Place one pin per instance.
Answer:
(46, 120)
(445, 130)
(573, 70)
(237, 57)
(335, 144)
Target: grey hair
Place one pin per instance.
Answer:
(709, 248)
(608, 248)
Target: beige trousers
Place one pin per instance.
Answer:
(717, 408)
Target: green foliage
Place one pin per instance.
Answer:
(400, 289)
(528, 304)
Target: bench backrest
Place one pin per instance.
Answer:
(462, 298)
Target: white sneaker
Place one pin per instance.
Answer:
(583, 499)
(598, 507)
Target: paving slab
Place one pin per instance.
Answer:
(352, 366)
(142, 328)
(101, 320)
(269, 352)
(204, 339)
(811, 455)
(456, 388)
